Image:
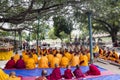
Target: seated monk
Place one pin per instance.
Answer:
(16, 57)
(68, 55)
(13, 76)
(64, 61)
(43, 75)
(35, 57)
(59, 55)
(78, 73)
(50, 57)
(83, 60)
(25, 57)
(114, 56)
(43, 62)
(68, 73)
(10, 64)
(56, 74)
(54, 61)
(30, 63)
(93, 70)
(20, 64)
(75, 60)
(3, 75)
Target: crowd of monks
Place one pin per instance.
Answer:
(48, 58)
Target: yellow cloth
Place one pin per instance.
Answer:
(68, 55)
(88, 55)
(25, 58)
(30, 63)
(85, 59)
(16, 57)
(55, 60)
(35, 57)
(96, 49)
(43, 62)
(59, 56)
(3, 75)
(75, 61)
(64, 61)
(50, 57)
(6, 55)
(14, 78)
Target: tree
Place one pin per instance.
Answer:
(61, 25)
(51, 34)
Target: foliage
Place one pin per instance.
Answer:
(51, 34)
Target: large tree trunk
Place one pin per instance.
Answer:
(113, 35)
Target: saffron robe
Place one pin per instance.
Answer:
(43, 62)
(75, 61)
(30, 63)
(64, 61)
(55, 60)
(3, 75)
(16, 57)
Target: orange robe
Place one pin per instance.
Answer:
(35, 57)
(68, 55)
(3, 75)
(84, 58)
(55, 60)
(50, 57)
(75, 61)
(30, 63)
(64, 61)
(16, 57)
(25, 58)
(43, 62)
(59, 56)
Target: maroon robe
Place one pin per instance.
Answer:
(78, 73)
(10, 64)
(20, 64)
(55, 75)
(93, 70)
(68, 74)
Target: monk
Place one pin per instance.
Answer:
(13, 76)
(114, 56)
(68, 73)
(56, 74)
(3, 75)
(50, 57)
(59, 55)
(43, 62)
(83, 59)
(16, 57)
(20, 64)
(54, 61)
(30, 63)
(96, 51)
(35, 57)
(68, 55)
(43, 75)
(75, 60)
(64, 61)
(93, 70)
(10, 64)
(78, 73)
(25, 57)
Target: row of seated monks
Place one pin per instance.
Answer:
(108, 54)
(56, 74)
(48, 58)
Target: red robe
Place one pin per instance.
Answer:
(93, 70)
(78, 73)
(20, 64)
(68, 74)
(10, 64)
(55, 75)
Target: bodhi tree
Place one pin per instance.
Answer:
(62, 26)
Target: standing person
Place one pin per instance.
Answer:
(43, 62)
(68, 73)
(56, 74)
(20, 64)
(30, 63)
(43, 75)
(78, 73)
(10, 64)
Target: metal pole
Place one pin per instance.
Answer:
(38, 33)
(90, 36)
